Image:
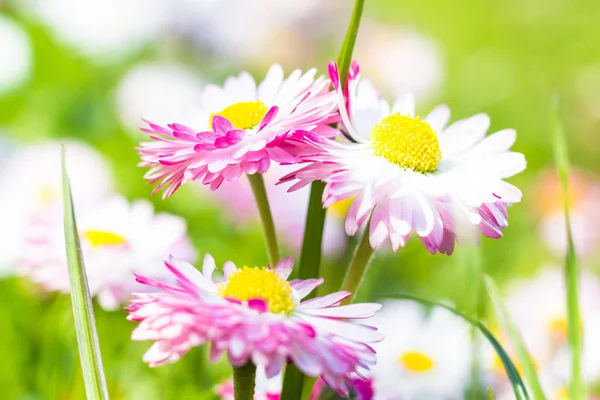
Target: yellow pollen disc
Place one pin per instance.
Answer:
(260, 283)
(408, 142)
(341, 208)
(243, 115)
(562, 394)
(416, 362)
(104, 238)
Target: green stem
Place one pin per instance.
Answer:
(310, 258)
(244, 378)
(577, 387)
(358, 266)
(262, 202)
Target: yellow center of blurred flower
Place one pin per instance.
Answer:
(562, 394)
(416, 362)
(104, 238)
(340, 209)
(408, 142)
(260, 283)
(243, 115)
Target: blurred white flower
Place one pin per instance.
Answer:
(162, 92)
(15, 55)
(30, 182)
(423, 356)
(254, 28)
(401, 60)
(538, 308)
(584, 197)
(103, 29)
(118, 239)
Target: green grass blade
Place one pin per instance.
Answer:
(511, 371)
(522, 354)
(561, 158)
(83, 311)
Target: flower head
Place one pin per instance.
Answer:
(410, 173)
(245, 128)
(255, 315)
(117, 239)
(427, 359)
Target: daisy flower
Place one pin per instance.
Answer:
(584, 195)
(244, 127)
(117, 239)
(31, 183)
(423, 356)
(412, 174)
(255, 315)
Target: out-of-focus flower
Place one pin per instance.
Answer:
(401, 60)
(290, 209)
(538, 308)
(276, 28)
(104, 29)
(161, 92)
(15, 53)
(412, 174)
(584, 197)
(245, 127)
(255, 315)
(423, 356)
(31, 182)
(118, 239)
(265, 389)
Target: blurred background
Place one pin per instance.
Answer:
(87, 72)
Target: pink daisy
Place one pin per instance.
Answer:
(243, 128)
(255, 315)
(411, 174)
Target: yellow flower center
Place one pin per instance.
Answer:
(416, 362)
(243, 115)
(104, 238)
(408, 142)
(260, 283)
(562, 394)
(340, 208)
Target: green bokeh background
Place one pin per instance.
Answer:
(536, 48)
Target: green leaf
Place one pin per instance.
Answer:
(561, 158)
(490, 394)
(83, 311)
(522, 354)
(509, 367)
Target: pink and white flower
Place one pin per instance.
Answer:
(255, 315)
(117, 239)
(245, 128)
(411, 174)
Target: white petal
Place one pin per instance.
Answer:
(438, 117)
(404, 104)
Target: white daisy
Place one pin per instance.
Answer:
(31, 182)
(423, 356)
(118, 239)
(410, 174)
